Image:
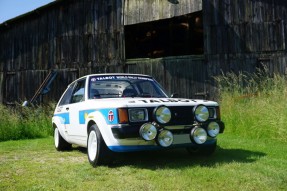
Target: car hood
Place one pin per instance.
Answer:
(150, 102)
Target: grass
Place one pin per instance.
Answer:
(25, 122)
(254, 105)
(238, 164)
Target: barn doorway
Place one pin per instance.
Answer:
(177, 36)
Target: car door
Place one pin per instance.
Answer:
(76, 104)
(61, 110)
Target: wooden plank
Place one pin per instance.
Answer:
(185, 76)
(137, 11)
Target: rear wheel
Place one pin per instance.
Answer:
(60, 143)
(202, 150)
(98, 152)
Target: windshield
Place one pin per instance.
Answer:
(115, 86)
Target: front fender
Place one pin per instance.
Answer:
(104, 128)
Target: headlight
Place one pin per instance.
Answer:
(162, 114)
(198, 135)
(213, 129)
(201, 113)
(165, 138)
(137, 115)
(148, 131)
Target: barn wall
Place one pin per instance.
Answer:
(184, 75)
(243, 35)
(139, 11)
(83, 37)
(75, 37)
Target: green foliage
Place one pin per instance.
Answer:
(254, 105)
(25, 122)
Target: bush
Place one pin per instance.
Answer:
(25, 122)
(254, 105)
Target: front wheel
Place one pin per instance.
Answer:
(98, 152)
(60, 143)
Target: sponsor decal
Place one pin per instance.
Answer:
(111, 115)
(59, 109)
(86, 115)
(167, 100)
(83, 115)
(100, 78)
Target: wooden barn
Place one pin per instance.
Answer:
(182, 43)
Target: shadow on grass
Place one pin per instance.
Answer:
(178, 158)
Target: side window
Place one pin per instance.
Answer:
(79, 92)
(67, 96)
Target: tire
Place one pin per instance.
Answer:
(98, 152)
(60, 143)
(207, 150)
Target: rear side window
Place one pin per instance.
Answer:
(79, 92)
(67, 96)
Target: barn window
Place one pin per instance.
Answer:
(182, 35)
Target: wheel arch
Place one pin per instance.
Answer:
(89, 125)
(98, 119)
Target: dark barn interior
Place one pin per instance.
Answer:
(177, 36)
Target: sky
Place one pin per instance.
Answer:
(12, 8)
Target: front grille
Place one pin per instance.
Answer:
(181, 115)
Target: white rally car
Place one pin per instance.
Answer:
(110, 113)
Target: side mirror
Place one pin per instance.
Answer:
(174, 95)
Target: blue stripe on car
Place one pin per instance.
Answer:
(65, 118)
(104, 112)
(82, 119)
(133, 148)
(130, 148)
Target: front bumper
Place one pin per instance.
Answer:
(180, 141)
(132, 131)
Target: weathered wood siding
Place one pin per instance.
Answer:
(242, 35)
(83, 37)
(185, 75)
(78, 38)
(75, 37)
(139, 11)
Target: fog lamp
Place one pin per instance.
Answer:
(148, 131)
(162, 114)
(201, 113)
(213, 129)
(165, 138)
(198, 135)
